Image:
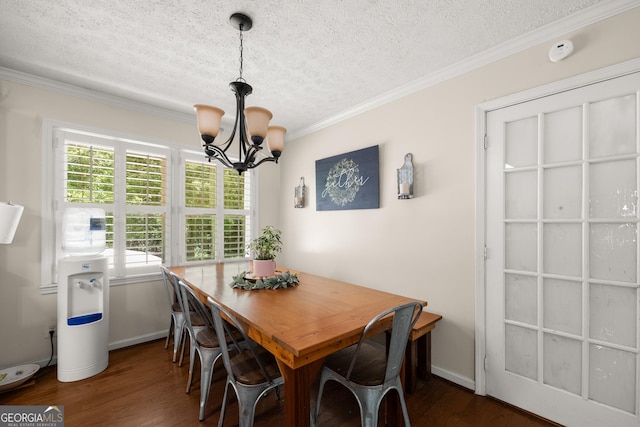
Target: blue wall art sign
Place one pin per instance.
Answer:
(348, 181)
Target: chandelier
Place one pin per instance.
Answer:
(251, 123)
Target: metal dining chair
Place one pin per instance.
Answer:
(251, 370)
(203, 342)
(367, 371)
(176, 326)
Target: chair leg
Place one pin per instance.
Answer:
(369, 403)
(223, 409)
(192, 356)
(185, 338)
(207, 361)
(166, 343)
(314, 416)
(405, 414)
(177, 337)
(247, 401)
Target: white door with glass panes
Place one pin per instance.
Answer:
(562, 268)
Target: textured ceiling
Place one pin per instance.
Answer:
(307, 60)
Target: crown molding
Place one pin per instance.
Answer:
(92, 95)
(569, 24)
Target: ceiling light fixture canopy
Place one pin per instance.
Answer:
(251, 123)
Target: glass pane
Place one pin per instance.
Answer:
(235, 236)
(200, 185)
(521, 298)
(200, 237)
(612, 189)
(521, 190)
(613, 314)
(146, 179)
(521, 143)
(612, 377)
(563, 249)
(521, 351)
(109, 239)
(109, 220)
(563, 135)
(89, 174)
(145, 239)
(563, 192)
(612, 126)
(236, 194)
(521, 247)
(612, 252)
(563, 363)
(563, 305)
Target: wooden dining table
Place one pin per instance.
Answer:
(299, 325)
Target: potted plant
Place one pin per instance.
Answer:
(264, 249)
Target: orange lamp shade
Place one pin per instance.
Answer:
(275, 140)
(208, 119)
(257, 121)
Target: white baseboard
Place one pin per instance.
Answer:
(112, 346)
(137, 340)
(454, 378)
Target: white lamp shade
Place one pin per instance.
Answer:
(9, 218)
(208, 119)
(275, 138)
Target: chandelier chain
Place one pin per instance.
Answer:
(241, 55)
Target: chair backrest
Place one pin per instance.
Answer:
(225, 335)
(174, 282)
(192, 304)
(168, 286)
(404, 317)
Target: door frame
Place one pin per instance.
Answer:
(588, 78)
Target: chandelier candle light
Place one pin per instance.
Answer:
(251, 123)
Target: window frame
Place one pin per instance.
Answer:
(53, 163)
(220, 210)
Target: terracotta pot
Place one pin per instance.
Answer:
(264, 268)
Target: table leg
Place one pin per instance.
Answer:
(297, 392)
(424, 356)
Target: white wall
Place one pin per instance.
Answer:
(137, 311)
(425, 247)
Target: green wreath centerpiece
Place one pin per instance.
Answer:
(282, 280)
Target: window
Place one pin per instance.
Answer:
(217, 203)
(163, 204)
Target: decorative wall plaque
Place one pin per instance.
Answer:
(348, 181)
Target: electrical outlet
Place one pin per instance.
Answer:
(49, 329)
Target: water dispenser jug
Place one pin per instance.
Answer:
(83, 231)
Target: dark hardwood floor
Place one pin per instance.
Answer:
(142, 387)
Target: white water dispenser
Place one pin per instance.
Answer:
(83, 297)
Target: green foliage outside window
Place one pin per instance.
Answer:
(90, 174)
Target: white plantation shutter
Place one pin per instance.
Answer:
(89, 173)
(200, 204)
(163, 204)
(218, 211)
(146, 207)
(129, 181)
(237, 213)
